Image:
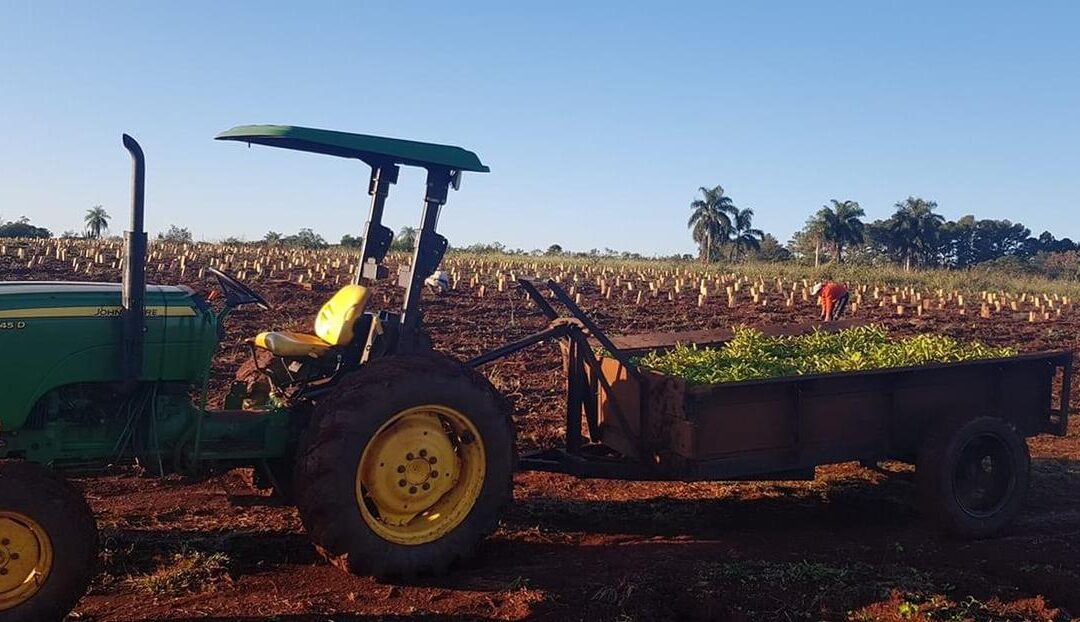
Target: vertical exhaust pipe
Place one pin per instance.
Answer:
(133, 292)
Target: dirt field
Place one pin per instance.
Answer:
(846, 546)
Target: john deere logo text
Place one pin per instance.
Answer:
(115, 312)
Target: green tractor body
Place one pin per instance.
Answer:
(391, 478)
(68, 333)
(67, 403)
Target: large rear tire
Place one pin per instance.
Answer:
(48, 544)
(407, 468)
(972, 475)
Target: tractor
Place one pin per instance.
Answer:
(398, 458)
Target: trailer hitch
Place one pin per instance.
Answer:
(556, 329)
(584, 378)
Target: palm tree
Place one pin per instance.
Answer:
(743, 235)
(711, 220)
(842, 225)
(407, 235)
(405, 240)
(815, 230)
(97, 220)
(915, 229)
(902, 232)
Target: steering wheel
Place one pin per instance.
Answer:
(236, 293)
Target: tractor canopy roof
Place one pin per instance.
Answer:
(370, 149)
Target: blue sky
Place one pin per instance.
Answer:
(598, 120)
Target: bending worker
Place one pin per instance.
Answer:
(834, 299)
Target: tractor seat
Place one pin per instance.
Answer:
(333, 327)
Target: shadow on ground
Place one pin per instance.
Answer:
(767, 552)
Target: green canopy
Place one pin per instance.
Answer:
(370, 149)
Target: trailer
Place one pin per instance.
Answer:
(963, 425)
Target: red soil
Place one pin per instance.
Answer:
(846, 546)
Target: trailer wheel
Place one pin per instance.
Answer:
(972, 475)
(409, 464)
(48, 544)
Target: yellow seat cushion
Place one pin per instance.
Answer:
(283, 343)
(333, 326)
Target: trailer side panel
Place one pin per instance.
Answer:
(796, 423)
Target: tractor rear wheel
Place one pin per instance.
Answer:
(407, 468)
(48, 544)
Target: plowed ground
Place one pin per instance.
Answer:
(849, 545)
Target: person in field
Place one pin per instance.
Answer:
(834, 299)
(438, 282)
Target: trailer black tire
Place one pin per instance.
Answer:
(368, 405)
(58, 510)
(972, 475)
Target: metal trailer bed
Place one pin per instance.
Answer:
(957, 422)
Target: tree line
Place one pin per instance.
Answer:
(915, 235)
(95, 222)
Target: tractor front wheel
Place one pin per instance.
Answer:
(407, 467)
(48, 544)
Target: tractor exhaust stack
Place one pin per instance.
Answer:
(133, 292)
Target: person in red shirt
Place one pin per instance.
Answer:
(834, 299)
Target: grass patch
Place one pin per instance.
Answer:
(185, 573)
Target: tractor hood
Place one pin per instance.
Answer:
(59, 333)
(47, 299)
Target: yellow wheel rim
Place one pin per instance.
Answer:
(420, 474)
(26, 557)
